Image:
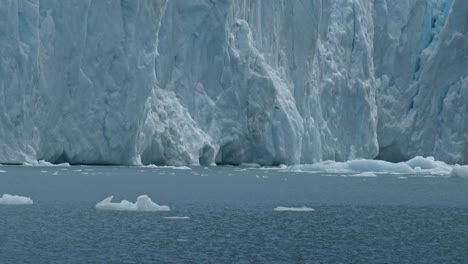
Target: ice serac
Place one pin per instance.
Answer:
(189, 82)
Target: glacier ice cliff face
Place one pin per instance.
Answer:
(229, 81)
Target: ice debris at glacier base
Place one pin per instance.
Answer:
(459, 172)
(293, 209)
(8, 199)
(152, 166)
(416, 165)
(143, 203)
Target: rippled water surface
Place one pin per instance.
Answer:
(383, 219)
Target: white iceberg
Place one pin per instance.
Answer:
(167, 167)
(177, 217)
(143, 203)
(459, 172)
(365, 174)
(294, 209)
(8, 199)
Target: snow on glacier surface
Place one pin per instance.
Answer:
(198, 82)
(8, 199)
(143, 203)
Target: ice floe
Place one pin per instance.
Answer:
(459, 172)
(8, 199)
(143, 203)
(167, 167)
(177, 217)
(416, 165)
(365, 174)
(294, 209)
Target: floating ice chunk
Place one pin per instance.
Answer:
(250, 165)
(415, 165)
(2, 171)
(422, 163)
(365, 174)
(143, 203)
(15, 200)
(293, 209)
(459, 172)
(177, 217)
(168, 167)
(376, 166)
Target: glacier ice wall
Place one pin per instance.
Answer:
(228, 81)
(421, 62)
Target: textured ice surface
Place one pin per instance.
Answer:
(143, 203)
(293, 209)
(8, 199)
(189, 82)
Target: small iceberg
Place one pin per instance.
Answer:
(416, 165)
(365, 174)
(15, 200)
(2, 171)
(293, 209)
(177, 217)
(167, 167)
(143, 203)
(459, 172)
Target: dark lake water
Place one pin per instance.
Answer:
(383, 219)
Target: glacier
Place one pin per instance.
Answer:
(199, 82)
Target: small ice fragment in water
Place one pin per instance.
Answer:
(250, 165)
(15, 200)
(459, 171)
(365, 174)
(143, 203)
(2, 171)
(293, 209)
(177, 217)
(55, 173)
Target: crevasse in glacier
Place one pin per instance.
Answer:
(229, 81)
